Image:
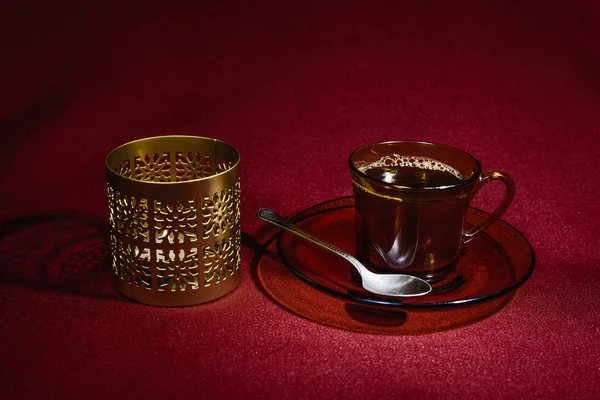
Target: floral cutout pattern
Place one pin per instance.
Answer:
(128, 215)
(236, 202)
(123, 169)
(111, 204)
(219, 213)
(221, 165)
(192, 166)
(132, 265)
(153, 167)
(175, 221)
(176, 270)
(114, 253)
(221, 260)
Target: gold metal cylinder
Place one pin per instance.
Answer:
(174, 210)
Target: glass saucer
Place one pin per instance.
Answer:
(493, 264)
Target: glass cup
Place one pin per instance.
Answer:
(411, 201)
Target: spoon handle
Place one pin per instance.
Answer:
(272, 217)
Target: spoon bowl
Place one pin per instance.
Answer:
(394, 285)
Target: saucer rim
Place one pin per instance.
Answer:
(348, 202)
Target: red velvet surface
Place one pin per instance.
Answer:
(295, 86)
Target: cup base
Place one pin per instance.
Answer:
(457, 281)
(440, 279)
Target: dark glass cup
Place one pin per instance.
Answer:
(411, 202)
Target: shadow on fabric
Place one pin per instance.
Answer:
(284, 288)
(62, 251)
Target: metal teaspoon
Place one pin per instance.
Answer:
(397, 285)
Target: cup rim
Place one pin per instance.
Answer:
(465, 182)
(109, 168)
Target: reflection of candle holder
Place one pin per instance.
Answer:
(174, 209)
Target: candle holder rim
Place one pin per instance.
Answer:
(205, 178)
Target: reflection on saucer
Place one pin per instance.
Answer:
(493, 264)
(317, 285)
(305, 300)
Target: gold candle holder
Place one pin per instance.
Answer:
(174, 210)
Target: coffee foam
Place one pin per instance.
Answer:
(395, 160)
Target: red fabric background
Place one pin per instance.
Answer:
(295, 86)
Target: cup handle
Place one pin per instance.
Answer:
(508, 197)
